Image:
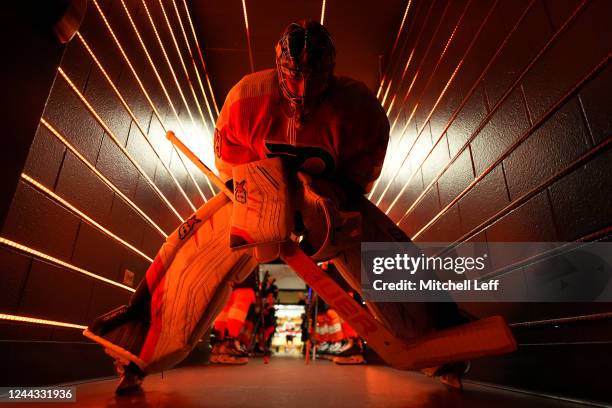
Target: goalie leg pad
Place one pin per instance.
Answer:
(184, 289)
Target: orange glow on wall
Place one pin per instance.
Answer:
(83, 216)
(111, 134)
(170, 66)
(144, 91)
(101, 176)
(134, 119)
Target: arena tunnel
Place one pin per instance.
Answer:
(500, 121)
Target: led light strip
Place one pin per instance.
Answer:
(133, 116)
(35, 320)
(127, 60)
(144, 91)
(391, 105)
(161, 45)
(195, 39)
(411, 147)
(195, 67)
(81, 214)
(386, 93)
(399, 114)
(394, 140)
(521, 139)
(399, 33)
(395, 152)
(111, 134)
(397, 140)
(407, 64)
(433, 71)
(101, 176)
(323, 12)
(493, 109)
(248, 34)
(178, 51)
(59, 262)
(170, 67)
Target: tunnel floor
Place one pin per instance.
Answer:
(288, 382)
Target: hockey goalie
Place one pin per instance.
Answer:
(298, 146)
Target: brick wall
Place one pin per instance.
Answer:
(99, 163)
(501, 124)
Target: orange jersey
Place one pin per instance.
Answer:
(345, 138)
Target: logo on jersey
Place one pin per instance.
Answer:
(240, 193)
(217, 143)
(186, 227)
(313, 160)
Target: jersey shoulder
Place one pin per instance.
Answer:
(258, 84)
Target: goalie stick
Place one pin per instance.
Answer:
(485, 337)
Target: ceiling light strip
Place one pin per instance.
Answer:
(195, 39)
(35, 320)
(391, 105)
(170, 65)
(323, 12)
(111, 134)
(423, 60)
(161, 45)
(187, 76)
(397, 37)
(394, 140)
(472, 89)
(83, 216)
(101, 176)
(140, 84)
(397, 150)
(56, 261)
(386, 94)
(195, 67)
(133, 116)
(248, 34)
(128, 62)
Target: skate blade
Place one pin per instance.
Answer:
(452, 380)
(358, 359)
(113, 350)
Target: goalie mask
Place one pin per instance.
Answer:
(305, 59)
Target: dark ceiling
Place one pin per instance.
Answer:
(363, 30)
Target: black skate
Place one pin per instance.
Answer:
(449, 374)
(350, 353)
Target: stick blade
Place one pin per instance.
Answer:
(485, 337)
